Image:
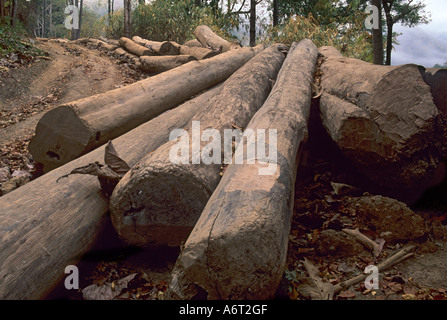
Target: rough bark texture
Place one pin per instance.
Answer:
(161, 48)
(159, 197)
(193, 43)
(76, 128)
(237, 249)
(135, 48)
(209, 39)
(163, 63)
(45, 226)
(383, 118)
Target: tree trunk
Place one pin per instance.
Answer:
(378, 36)
(73, 129)
(161, 48)
(389, 43)
(14, 12)
(43, 18)
(275, 13)
(383, 118)
(209, 39)
(163, 63)
(135, 48)
(78, 32)
(46, 226)
(179, 191)
(253, 23)
(238, 247)
(127, 21)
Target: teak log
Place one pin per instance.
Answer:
(193, 43)
(238, 247)
(160, 197)
(78, 127)
(161, 48)
(135, 48)
(209, 39)
(157, 64)
(382, 117)
(45, 226)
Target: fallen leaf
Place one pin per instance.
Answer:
(316, 288)
(112, 159)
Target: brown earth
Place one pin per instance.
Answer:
(330, 196)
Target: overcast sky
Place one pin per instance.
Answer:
(425, 44)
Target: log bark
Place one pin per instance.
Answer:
(163, 63)
(171, 195)
(135, 48)
(193, 43)
(161, 48)
(45, 226)
(75, 128)
(209, 39)
(238, 247)
(383, 118)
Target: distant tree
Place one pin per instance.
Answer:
(275, 12)
(406, 12)
(378, 36)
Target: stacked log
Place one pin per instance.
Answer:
(160, 196)
(47, 225)
(160, 48)
(383, 118)
(237, 249)
(75, 128)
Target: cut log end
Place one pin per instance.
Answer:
(383, 118)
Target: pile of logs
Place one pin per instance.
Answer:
(158, 56)
(388, 120)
